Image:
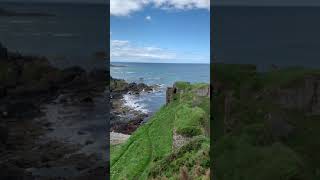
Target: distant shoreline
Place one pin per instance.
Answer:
(8, 13)
(113, 63)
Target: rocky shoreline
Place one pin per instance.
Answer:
(28, 85)
(124, 119)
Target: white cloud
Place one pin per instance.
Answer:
(122, 50)
(148, 18)
(125, 8)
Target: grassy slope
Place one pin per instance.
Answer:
(251, 151)
(148, 153)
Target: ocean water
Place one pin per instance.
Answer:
(162, 74)
(284, 36)
(72, 36)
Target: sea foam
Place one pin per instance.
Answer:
(135, 102)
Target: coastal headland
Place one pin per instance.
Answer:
(40, 118)
(174, 142)
(265, 123)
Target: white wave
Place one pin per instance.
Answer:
(134, 102)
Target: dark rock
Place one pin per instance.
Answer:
(3, 91)
(22, 109)
(12, 172)
(74, 77)
(4, 134)
(3, 52)
(169, 95)
(81, 133)
(87, 100)
(88, 142)
(98, 75)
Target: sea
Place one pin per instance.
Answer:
(161, 74)
(283, 36)
(74, 35)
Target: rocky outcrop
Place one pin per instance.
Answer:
(121, 86)
(172, 91)
(179, 140)
(204, 91)
(304, 95)
(27, 85)
(118, 138)
(169, 94)
(123, 119)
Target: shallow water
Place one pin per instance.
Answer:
(164, 75)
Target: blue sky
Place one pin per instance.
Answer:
(172, 32)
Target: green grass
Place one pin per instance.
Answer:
(288, 77)
(189, 120)
(151, 144)
(194, 156)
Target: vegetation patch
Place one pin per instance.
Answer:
(257, 138)
(149, 148)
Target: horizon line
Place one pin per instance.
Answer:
(161, 62)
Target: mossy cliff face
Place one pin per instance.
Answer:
(264, 123)
(173, 144)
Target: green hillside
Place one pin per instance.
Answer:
(265, 124)
(150, 153)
